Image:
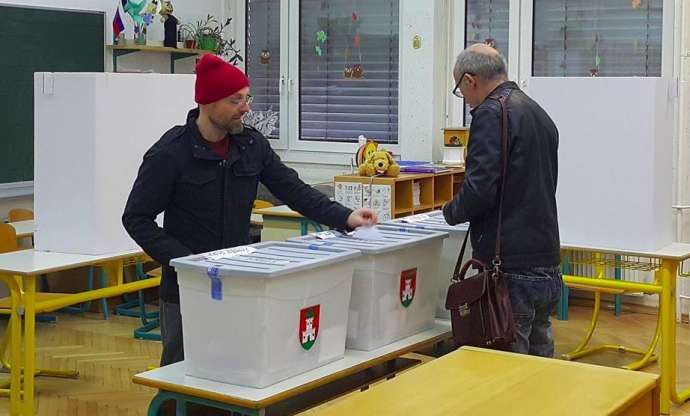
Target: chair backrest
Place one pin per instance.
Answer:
(8, 238)
(261, 204)
(20, 214)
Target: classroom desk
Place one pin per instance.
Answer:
(23, 228)
(664, 263)
(174, 384)
(475, 381)
(256, 219)
(281, 222)
(19, 270)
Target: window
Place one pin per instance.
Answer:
(487, 22)
(614, 38)
(348, 70)
(263, 64)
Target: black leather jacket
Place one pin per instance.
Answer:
(208, 200)
(529, 234)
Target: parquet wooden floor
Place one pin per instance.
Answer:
(107, 356)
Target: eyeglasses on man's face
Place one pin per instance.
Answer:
(241, 100)
(456, 91)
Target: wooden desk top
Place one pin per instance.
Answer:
(675, 251)
(473, 381)
(172, 377)
(256, 219)
(278, 211)
(33, 262)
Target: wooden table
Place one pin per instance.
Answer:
(256, 219)
(665, 264)
(19, 270)
(174, 384)
(474, 381)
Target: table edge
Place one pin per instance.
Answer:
(261, 404)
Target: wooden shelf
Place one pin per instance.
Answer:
(434, 190)
(160, 49)
(175, 53)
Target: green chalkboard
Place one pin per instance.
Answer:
(38, 40)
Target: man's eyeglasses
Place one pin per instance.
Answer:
(238, 101)
(456, 91)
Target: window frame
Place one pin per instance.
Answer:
(526, 25)
(295, 141)
(455, 114)
(281, 143)
(293, 147)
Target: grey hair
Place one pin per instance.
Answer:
(486, 65)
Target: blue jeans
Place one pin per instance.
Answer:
(534, 293)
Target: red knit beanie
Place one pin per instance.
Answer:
(217, 79)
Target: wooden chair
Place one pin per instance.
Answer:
(261, 204)
(20, 214)
(8, 238)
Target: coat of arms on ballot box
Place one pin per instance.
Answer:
(309, 326)
(408, 286)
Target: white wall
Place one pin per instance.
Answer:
(422, 79)
(683, 150)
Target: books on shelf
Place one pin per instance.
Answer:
(410, 166)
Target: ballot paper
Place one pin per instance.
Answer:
(229, 253)
(325, 235)
(415, 218)
(367, 233)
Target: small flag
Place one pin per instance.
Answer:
(118, 26)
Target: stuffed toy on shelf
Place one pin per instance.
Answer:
(379, 163)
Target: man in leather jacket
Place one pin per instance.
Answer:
(530, 244)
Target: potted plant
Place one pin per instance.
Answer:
(207, 34)
(187, 34)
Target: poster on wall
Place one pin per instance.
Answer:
(378, 198)
(349, 194)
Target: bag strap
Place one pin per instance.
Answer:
(458, 264)
(504, 171)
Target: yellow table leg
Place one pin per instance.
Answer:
(668, 371)
(14, 329)
(649, 357)
(667, 309)
(580, 351)
(29, 343)
(73, 374)
(115, 272)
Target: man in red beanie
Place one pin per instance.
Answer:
(204, 176)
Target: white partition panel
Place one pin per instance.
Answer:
(615, 182)
(91, 131)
